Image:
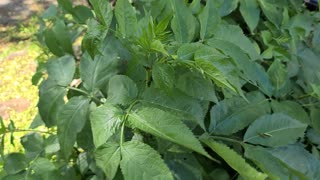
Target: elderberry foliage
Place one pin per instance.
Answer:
(175, 89)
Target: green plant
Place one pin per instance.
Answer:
(177, 90)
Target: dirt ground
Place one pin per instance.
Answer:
(17, 59)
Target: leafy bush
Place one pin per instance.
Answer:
(176, 90)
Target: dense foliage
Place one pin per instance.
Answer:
(173, 89)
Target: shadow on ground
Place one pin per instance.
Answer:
(17, 11)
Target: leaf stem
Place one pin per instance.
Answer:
(86, 93)
(124, 121)
(122, 134)
(29, 130)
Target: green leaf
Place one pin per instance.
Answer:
(52, 43)
(232, 115)
(209, 20)
(234, 34)
(197, 86)
(315, 116)
(66, 5)
(234, 160)
(72, 118)
(63, 37)
(141, 162)
(157, 46)
(107, 157)
(93, 37)
(51, 93)
(166, 126)
(316, 38)
(274, 130)
(253, 71)
(33, 144)
(225, 7)
(298, 160)
(15, 163)
(61, 70)
(82, 13)
(175, 103)
(42, 166)
(291, 109)
(215, 74)
(122, 90)
(186, 51)
(50, 13)
(184, 166)
(50, 102)
(266, 162)
(96, 73)
(273, 13)
(209, 53)
(105, 122)
(250, 12)
(126, 19)
(278, 75)
(163, 75)
(103, 11)
(220, 174)
(3, 127)
(183, 23)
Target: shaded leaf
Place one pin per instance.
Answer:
(184, 166)
(267, 162)
(299, 161)
(33, 144)
(72, 118)
(250, 12)
(15, 163)
(273, 13)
